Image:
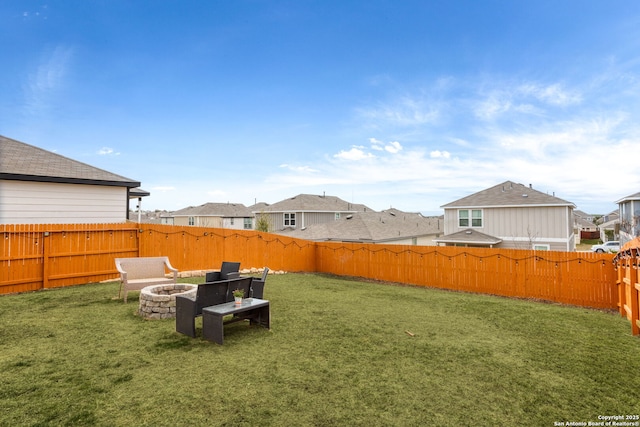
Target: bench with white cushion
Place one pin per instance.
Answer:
(137, 273)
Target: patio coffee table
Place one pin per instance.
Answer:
(254, 309)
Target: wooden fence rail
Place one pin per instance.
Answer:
(43, 256)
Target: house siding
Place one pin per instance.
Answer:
(521, 227)
(199, 221)
(629, 220)
(235, 223)
(26, 202)
(303, 219)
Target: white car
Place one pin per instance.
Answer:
(612, 246)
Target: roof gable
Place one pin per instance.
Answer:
(315, 203)
(24, 162)
(226, 210)
(508, 194)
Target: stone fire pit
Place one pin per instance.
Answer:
(159, 301)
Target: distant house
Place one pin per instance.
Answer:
(629, 208)
(304, 210)
(38, 186)
(390, 227)
(609, 227)
(510, 215)
(216, 215)
(584, 227)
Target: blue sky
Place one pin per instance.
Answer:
(404, 104)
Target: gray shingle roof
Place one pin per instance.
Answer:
(371, 227)
(469, 237)
(225, 210)
(20, 161)
(315, 203)
(508, 194)
(635, 196)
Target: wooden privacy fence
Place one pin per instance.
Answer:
(40, 256)
(45, 256)
(627, 262)
(578, 278)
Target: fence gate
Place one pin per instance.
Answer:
(627, 264)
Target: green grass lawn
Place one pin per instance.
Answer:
(341, 352)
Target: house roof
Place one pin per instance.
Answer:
(314, 203)
(469, 237)
(508, 194)
(630, 197)
(225, 210)
(258, 207)
(371, 227)
(24, 162)
(583, 223)
(138, 192)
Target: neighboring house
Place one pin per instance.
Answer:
(629, 208)
(148, 217)
(584, 227)
(584, 216)
(610, 230)
(218, 215)
(304, 210)
(390, 227)
(510, 215)
(41, 187)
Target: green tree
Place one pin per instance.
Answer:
(263, 222)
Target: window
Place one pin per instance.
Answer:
(476, 218)
(463, 218)
(192, 221)
(289, 220)
(541, 247)
(248, 224)
(337, 217)
(470, 217)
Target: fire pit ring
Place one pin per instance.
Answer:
(159, 301)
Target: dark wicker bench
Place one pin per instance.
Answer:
(208, 294)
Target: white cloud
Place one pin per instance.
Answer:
(437, 154)
(107, 151)
(163, 188)
(403, 112)
(552, 94)
(353, 154)
(48, 78)
(376, 144)
(306, 169)
(393, 147)
(492, 107)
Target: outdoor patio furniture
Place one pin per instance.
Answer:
(137, 273)
(208, 294)
(228, 270)
(254, 309)
(257, 285)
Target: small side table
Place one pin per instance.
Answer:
(254, 309)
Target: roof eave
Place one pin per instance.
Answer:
(65, 180)
(472, 242)
(532, 205)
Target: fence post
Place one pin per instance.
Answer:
(45, 259)
(622, 291)
(633, 304)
